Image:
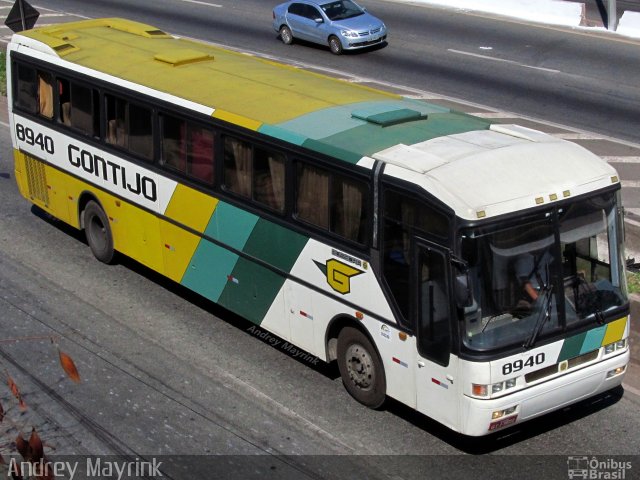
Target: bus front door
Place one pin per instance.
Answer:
(437, 388)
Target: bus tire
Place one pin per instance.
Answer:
(98, 232)
(361, 369)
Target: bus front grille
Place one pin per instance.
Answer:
(561, 367)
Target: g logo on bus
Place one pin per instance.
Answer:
(338, 275)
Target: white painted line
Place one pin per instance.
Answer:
(622, 159)
(4, 124)
(491, 115)
(202, 3)
(53, 15)
(632, 222)
(510, 62)
(630, 183)
(635, 391)
(578, 136)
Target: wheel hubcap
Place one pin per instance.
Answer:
(360, 366)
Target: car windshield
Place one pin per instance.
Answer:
(341, 9)
(552, 272)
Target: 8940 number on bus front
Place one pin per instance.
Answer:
(517, 365)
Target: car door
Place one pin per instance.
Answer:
(298, 21)
(316, 24)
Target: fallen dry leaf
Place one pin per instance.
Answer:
(69, 366)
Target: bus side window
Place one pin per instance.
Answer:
(140, 131)
(349, 208)
(173, 144)
(268, 178)
(434, 336)
(45, 95)
(64, 99)
(334, 202)
(312, 202)
(116, 121)
(254, 172)
(25, 91)
(129, 126)
(200, 160)
(238, 163)
(83, 116)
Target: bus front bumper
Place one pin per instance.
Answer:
(477, 415)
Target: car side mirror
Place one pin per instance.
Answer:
(319, 20)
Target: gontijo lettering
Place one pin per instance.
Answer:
(112, 172)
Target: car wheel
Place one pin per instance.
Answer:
(286, 35)
(335, 45)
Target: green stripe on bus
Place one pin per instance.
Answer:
(593, 339)
(572, 347)
(282, 134)
(333, 151)
(250, 290)
(231, 225)
(278, 246)
(209, 270)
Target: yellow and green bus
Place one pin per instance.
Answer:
(471, 270)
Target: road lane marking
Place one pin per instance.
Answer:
(579, 136)
(510, 62)
(215, 5)
(630, 183)
(621, 159)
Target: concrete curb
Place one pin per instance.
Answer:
(629, 24)
(551, 12)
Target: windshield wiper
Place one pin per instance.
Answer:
(543, 315)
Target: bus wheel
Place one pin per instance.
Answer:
(98, 232)
(335, 45)
(361, 368)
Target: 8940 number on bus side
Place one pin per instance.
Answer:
(27, 135)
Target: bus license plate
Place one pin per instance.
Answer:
(502, 423)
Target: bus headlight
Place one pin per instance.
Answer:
(612, 347)
(486, 391)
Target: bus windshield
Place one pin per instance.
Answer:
(552, 272)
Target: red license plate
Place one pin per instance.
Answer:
(502, 423)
